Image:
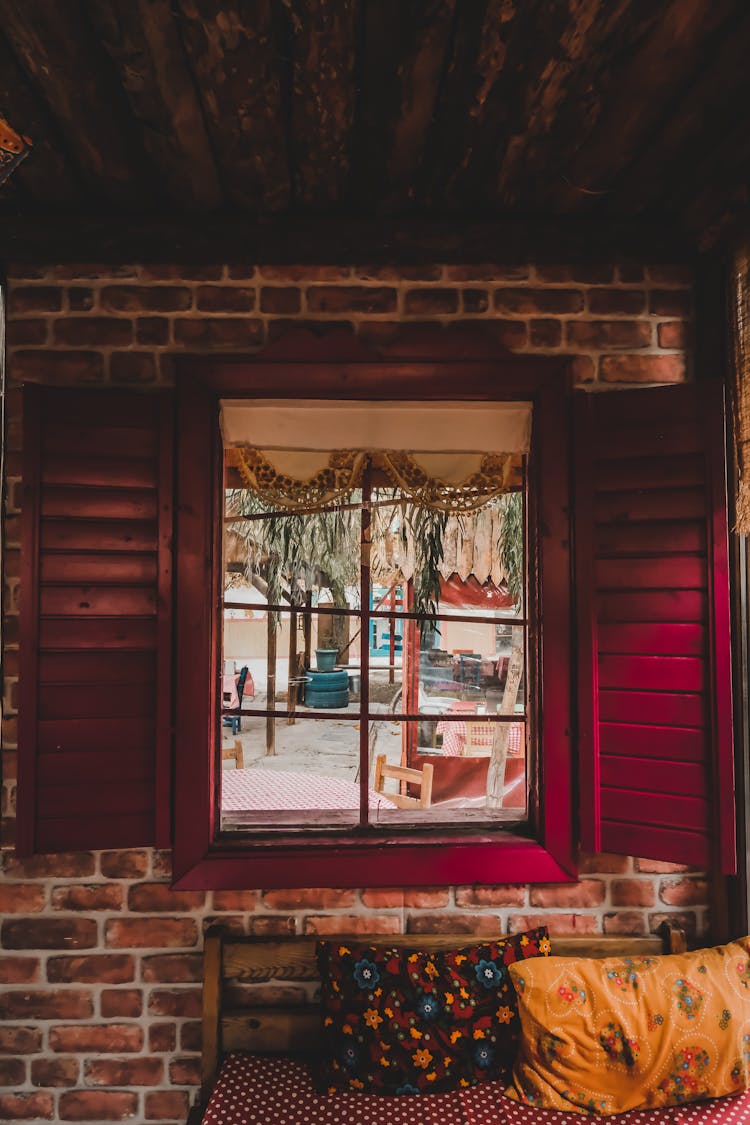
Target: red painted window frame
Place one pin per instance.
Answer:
(308, 367)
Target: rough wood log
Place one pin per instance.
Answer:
(233, 50)
(143, 41)
(403, 57)
(56, 47)
(498, 757)
(271, 683)
(293, 670)
(322, 44)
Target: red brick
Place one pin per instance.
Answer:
(583, 895)
(314, 898)
(27, 333)
(672, 334)
(105, 331)
(538, 301)
(21, 898)
(617, 302)
(161, 864)
(20, 1040)
(33, 299)
(295, 273)
(426, 898)
(26, 1107)
(282, 300)
(54, 1072)
(154, 897)
(326, 924)
(152, 330)
(95, 270)
(273, 925)
(659, 867)
(146, 298)
(603, 334)
(234, 900)
(230, 923)
(49, 933)
(104, 1037)
(226, 299)
(381, 898)
(507, 895)
(585, 274)
(124, 865)
(642, 368)
(191, 1035)
(98, 1105)
(625, 922)
(426, 272)
(217, 332)
(81, 299)
(96, 896)
(509, 334)
(173, 968)
(169, 272)
(18, 970)
(185, 1072)
(684, 920)
(61, 1004)
(167, 1105)
(603, 863)
(61, 367)
(153, 933)
(672, 274)
(122, 1003)
(430, 302)
(630, 272)
(185, 1002)
(96, 968)
(670, 302)
(555, 923)
(475, 301)
(123, 1072)
(632, 892)
(133, 367)
(12, 1072)
(684, 892)
(487, 271)
(545, 333)
(484, 924)
(163, 1037)
(351, 299)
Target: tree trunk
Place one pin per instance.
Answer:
(496, 770)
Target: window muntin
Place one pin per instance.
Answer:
(450, 693)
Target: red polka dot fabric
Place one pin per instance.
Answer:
(256, 1090)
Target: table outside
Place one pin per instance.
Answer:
(265, 790)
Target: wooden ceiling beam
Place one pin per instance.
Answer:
(55, 46)
(142, 39)
(321, 39)
(233, 51)
(404, 54)
(317, 240)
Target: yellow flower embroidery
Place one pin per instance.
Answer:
(412, 958)
(373, 1018)
(505, 1015)
(347, 1029)
(460, 959)
(331, 1089)
(524, 940)
(463, 1082)
(414, 1033)
(378, 991)
(389, 1012)
(545, 946)
(464, 994)
(455, 1036)
(343, 949)
(422, 1058)
(431, 1076)
(327, 1021)
(478, 1033)
(431, 970)
(356, 1084)
(334, 985)
(384, 1061)
(449, 997)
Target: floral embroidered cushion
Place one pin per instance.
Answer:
(606, 1036)
(411, 1021)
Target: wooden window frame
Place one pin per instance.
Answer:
(332, 369)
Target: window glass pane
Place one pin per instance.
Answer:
(478, 771)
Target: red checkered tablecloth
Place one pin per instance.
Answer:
(267, 790)
(252, 1090)
(455, 733)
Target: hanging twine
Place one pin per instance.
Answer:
(741, 384)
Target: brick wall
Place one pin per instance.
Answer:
(99, 959)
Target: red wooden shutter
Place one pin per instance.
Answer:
(95, 707)
(655, 699)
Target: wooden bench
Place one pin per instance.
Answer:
(236, 968)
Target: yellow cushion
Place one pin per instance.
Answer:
(625, 1033)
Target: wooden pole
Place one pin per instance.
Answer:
(307, 634)
(392, 640)
(271, 686)
(292, 676)
(496, 769)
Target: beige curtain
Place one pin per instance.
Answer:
(740, 314)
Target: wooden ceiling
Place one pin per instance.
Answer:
(602, 111)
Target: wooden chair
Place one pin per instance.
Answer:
(421, 778)
(236, 752)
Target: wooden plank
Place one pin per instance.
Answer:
(681, 572)
(681, 503)
(128, 763)
(683, 471)
(279, 1031)
(109, 831)
(143, 41)
(96, 667)
(92, 701)
(662, 438)
(676, 606)
(98, 503)
(654, 841)
(93, 734)
(75, 568)
(73, 409)
(210, 1027)
(635, 807)
(682, 779)
(97, 633)
(629, 410)
(667, 537)
(96, 601)
(662, 639)
(136, 443)
(112, 471)
(678, 709)
(235, 56)
(684, 744)
(119, 797)
(98, 535)
(653, 673)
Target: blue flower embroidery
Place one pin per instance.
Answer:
(428, 1007)
(483, 1055)
(488, 974)
(349, 1057)
(366, 974)
(406, 1089)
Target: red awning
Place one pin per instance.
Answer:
(469, 593)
